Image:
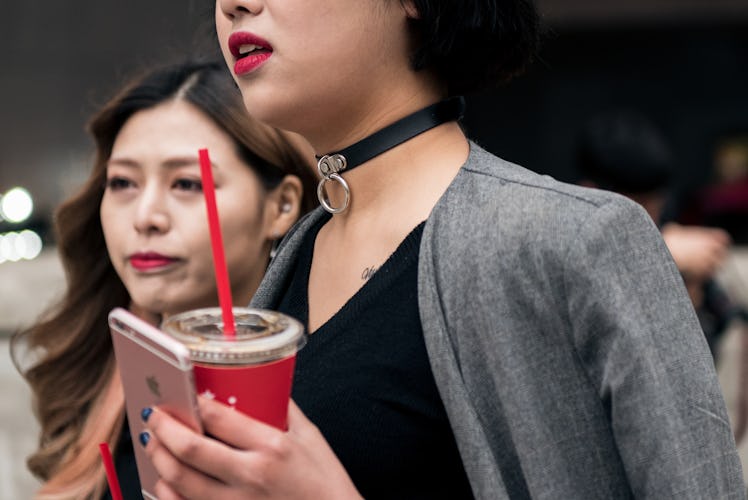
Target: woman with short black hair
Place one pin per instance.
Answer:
(476, 329)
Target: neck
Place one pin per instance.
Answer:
(410, 177)
(366, 116)
(391, 136)
(374, 147)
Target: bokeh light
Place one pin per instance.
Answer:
(8, 247)
(26, 245)
(16, 205)
(29, 244)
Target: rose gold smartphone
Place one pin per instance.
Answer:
(156, 371)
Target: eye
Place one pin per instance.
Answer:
(186, 184)
(118, 183)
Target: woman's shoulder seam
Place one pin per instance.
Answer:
(505, 180)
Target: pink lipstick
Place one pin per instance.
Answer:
(147, 261)
(250, 51)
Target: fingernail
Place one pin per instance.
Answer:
(145, 413)
(144, 438)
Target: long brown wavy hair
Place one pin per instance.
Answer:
(67, 356)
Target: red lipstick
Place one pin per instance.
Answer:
(249, 50)
(146, 261)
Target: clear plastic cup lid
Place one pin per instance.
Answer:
(261, 335)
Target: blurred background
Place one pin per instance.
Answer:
(683, 63)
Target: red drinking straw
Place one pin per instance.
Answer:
(216, 242)
(111, 473)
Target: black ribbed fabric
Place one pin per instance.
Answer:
(127, 470)
(364, 379)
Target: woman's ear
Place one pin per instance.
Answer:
(283, 207)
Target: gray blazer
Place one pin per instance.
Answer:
(565, 348)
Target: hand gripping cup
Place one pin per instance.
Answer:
(251, 371)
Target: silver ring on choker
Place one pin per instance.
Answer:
(322, 195)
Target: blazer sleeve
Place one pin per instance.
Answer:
(639, 339)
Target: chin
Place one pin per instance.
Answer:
(157, 304)
(259, 110)
(177, 307)
(272, 107)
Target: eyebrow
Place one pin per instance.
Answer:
(176, 162)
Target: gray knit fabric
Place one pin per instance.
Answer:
(563, 343)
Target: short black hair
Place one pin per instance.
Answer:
(472, 45)
(623, 151)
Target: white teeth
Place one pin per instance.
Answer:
(247, 48)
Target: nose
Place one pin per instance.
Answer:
(151, 213)
(232, 9)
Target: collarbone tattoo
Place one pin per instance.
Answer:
(369, 272)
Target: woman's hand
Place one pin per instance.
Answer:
(247, 458)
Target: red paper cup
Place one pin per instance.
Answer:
(252, 371)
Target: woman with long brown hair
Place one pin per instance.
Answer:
(135, 236)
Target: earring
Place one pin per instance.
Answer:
(275, 244)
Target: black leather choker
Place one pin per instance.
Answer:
(332, 164)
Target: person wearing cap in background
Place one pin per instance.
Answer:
(624, 152)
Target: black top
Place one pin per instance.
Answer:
(364, 379)
(127, 470)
